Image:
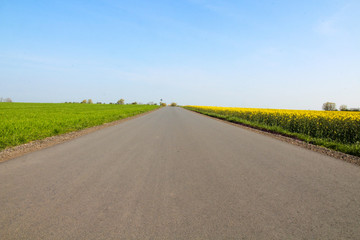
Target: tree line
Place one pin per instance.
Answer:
(5, 99)
(330, 106)
(120, 102)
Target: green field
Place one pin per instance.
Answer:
(24, 122)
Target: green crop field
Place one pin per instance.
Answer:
(24, 122)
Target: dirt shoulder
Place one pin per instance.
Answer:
(332, 153)
(20, 150)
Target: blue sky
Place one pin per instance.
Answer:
(270, 54)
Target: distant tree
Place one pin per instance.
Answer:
(173, 104)
(329, 106)
(8, 100)
(121, 102)
(84, 101)
(343, 108)
(1, 99)
(163, 104)
(134, 103)
(89, 101)
(98, 103)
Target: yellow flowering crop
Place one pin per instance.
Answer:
(339, 126)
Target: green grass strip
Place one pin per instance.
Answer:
(24, 122)
(352, 149)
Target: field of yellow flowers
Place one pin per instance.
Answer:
(334, 129)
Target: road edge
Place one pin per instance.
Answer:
(294, 141)
(36, 145)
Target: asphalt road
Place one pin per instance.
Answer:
(174, 174)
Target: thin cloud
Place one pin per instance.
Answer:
(331, 25)
(327, 27)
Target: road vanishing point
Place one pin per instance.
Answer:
(175, 174)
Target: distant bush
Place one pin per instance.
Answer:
(5, 99)
(163, 104)
(84, 101)
(329, 106)
(134, 103)
(343, 108)
(173, 104)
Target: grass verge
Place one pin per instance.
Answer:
(352, 149)
(24, 122)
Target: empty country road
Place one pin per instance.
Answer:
(174, 174)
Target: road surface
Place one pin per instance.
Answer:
(174, 174)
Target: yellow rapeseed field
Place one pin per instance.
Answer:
(338, 126)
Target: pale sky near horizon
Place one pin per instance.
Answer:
(264, 54)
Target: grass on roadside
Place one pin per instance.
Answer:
(24, 122)
(349, 148)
